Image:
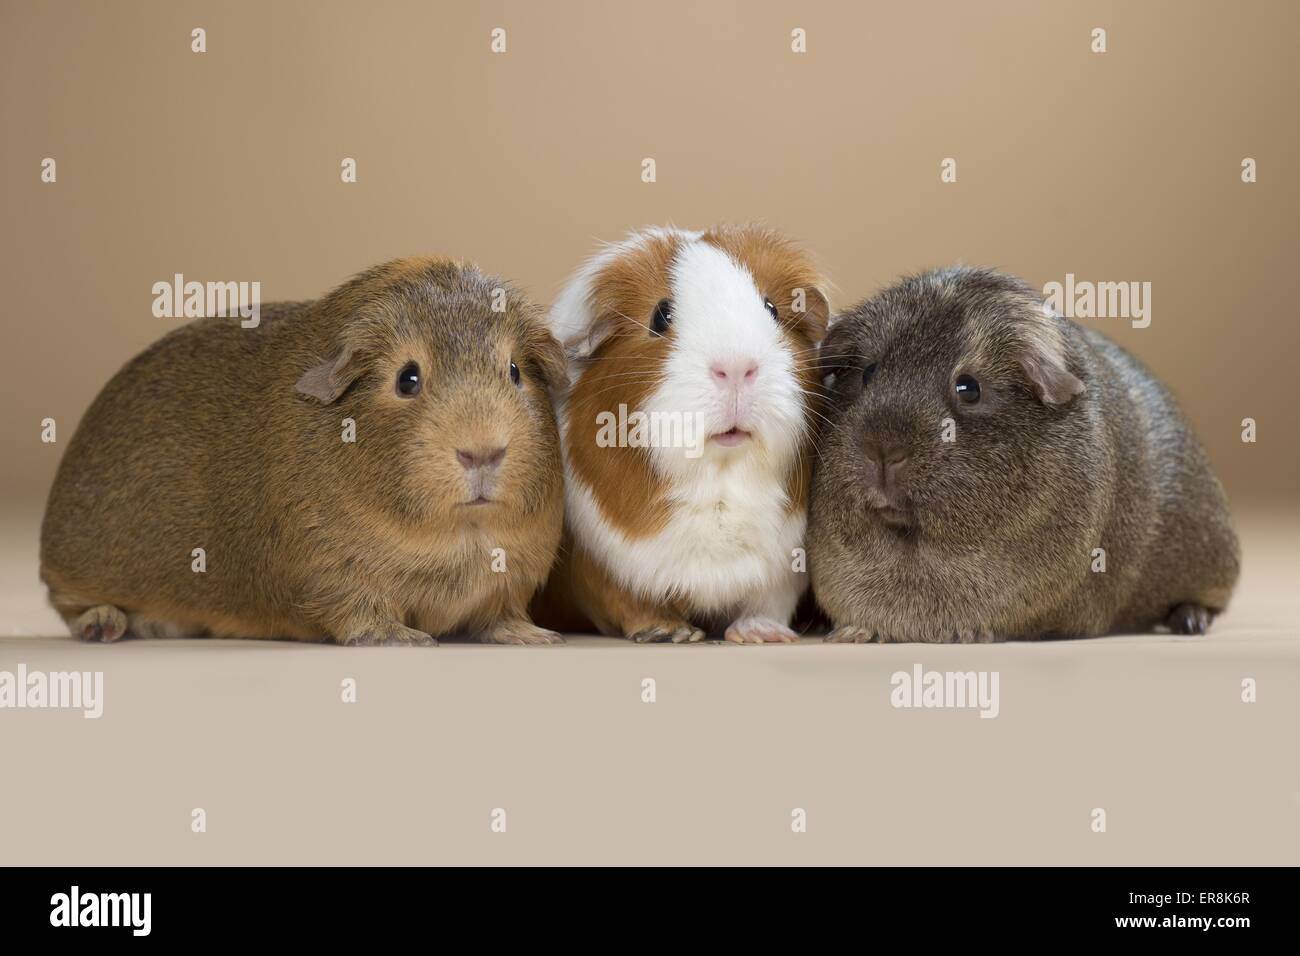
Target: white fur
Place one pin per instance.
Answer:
(728, 545)
(571, 313)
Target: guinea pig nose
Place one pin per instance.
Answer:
(480, 457)
(738, 371)
(893, 454)
(890, 459)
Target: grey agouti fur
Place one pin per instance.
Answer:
(937, 519)
(443, 516)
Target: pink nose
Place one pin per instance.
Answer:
(733, 373)
(480, 457)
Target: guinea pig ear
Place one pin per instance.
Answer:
(836, 351)
(328, 380)
(1043, 362)
(547, 356)
(816, 315)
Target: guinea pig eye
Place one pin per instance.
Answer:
(868, 373)
(408, 380)
(771, 309)
(968, 390)
(514, 373)
(662, 318)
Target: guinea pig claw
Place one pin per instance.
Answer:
(521, 633)
(974, 635)
(687, 635)
(1189, 619)
(850, 634)
(654, 635)
(103, 623)
(391, 635)
(409, 637)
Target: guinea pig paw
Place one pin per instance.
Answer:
(760, 630)
(521, 633)
(663, 633)
(103, 623)
(850, 634)
(688, 635)
(973, 635)
(391, 635)
(1189, 619)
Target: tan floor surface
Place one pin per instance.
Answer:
(1152, 729)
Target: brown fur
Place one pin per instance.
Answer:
(1073, 446)
(621, 370)
(230, 440)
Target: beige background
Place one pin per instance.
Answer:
(225, 166)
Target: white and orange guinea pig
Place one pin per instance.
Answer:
(687, 435)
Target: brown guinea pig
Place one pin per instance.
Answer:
(688, 435)
(380, 466)
(991, 470)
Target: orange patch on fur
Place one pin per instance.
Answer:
(582, 594)
(623, 370)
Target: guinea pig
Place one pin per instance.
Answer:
(379, 466)
(990, 471)
(687, 434)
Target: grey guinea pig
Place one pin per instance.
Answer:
(442, 516)
(979, 450)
